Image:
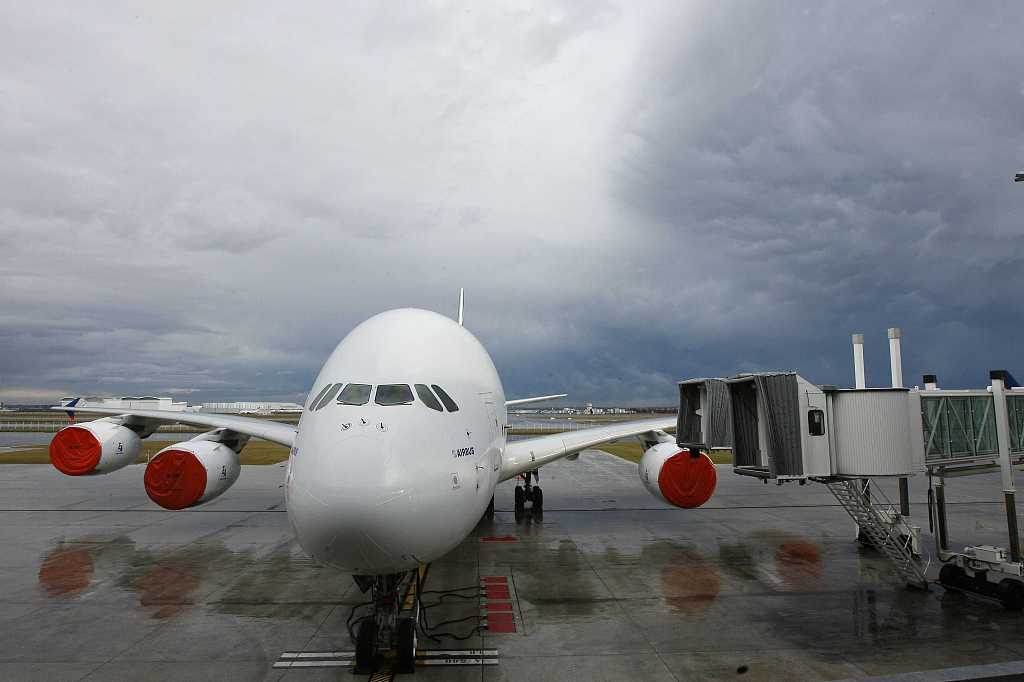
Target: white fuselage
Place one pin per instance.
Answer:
(376, 489)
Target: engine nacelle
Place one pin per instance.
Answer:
(96, 447)
(678, 477)
(191, 473)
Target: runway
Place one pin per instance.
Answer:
(764, 582)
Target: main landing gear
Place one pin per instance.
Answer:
(392, 624)
(529, 493)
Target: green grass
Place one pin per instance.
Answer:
(633, 452)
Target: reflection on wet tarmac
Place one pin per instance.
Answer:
(778, 560)
(66, 571)
(167, 588)
(167, 582)
(690, 585)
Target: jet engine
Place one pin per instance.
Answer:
(191, 473)
(96, 447)
(683, 477)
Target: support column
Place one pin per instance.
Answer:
(998, 376)
(896, 372)
(904, 497)
(940, 513)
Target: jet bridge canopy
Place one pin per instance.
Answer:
(782, 426)
(704, 413)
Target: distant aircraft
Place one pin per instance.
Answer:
(393, 462)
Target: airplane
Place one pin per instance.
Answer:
(394, 460)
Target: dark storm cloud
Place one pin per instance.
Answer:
(833, 168)
(203, 200)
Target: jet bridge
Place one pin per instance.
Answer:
(784, 428)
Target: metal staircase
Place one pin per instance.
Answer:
(883, 526)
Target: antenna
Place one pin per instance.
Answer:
(462, 300)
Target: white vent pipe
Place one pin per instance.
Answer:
(895, 359)
(858, 361)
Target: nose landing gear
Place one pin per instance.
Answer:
(392, 625)
(529, 493)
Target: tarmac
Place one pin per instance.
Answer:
(763, 583)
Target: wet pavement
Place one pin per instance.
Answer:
(764, 582)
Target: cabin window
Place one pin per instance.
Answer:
(428, 398)
(393, 394)
(445, 398)
(355, 394)
(319, 396)
(331, 390)
(816, 422)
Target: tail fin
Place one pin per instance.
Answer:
(71, 415)
(462, 300)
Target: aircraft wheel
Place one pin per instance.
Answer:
(1011, 594)
(538, 499)
(406, 646)
(520, 498)
(366, 646)
(951, 575)
(490, 509)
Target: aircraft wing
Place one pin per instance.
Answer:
(275, 432)
(530, 453)
(537, 399)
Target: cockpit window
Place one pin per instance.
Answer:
(393, 394)
(355, 394)
(331, 390)
(445, 398)
(428, 398)
(319, 396)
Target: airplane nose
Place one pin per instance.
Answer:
(347, 502)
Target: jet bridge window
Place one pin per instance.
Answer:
(393, 394)
(428, 398)
(355, 394)
(816, 422)
(445, 398)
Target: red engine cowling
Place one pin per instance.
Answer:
(96, 447)
(190, 473)
(677, 476)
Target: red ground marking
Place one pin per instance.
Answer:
(500, 617)
(499, 538)
(503, 626)
(495, 579)
(497, 606)
(498, 593)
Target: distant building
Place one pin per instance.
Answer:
(252, 408)
(128, 402)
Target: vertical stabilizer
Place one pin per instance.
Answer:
(462, 300)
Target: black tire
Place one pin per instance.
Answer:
(406, 662)
(366, 646)
(538, 499)
(951, 575)
(490, 509)
(520, 498)
(1011, 594)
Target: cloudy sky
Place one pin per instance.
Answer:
(201, 199)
